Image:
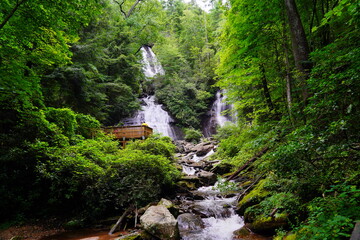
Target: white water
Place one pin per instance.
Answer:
(217, 115)
(153, 115)
(151, 65)
(188, 170)
(151, 112)
(220, 221)
(218, 108)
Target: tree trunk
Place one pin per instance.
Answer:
(300, 46)
(289, 79)
(266, 88)
(7, 18)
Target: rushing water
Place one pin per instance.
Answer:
(155, 116)
(219, 218)
(151, 65)
(217, 116)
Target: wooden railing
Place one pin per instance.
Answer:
(126, 133)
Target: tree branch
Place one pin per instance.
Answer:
(7, 18)
(120, 5)
(132, 8)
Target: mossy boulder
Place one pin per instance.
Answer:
(268, 225)
(254, 197)
(187, 185)
(174, 210)
(242, 232)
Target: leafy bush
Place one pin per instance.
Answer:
(98, 177)
(332, 217)
(155, 145)
(192, 135)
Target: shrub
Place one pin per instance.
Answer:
(192, 135)
(332, 217)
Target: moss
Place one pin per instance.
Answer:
(266, 225)
(133, 236)
(291, 236)
(254, 197)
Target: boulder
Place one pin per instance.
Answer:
(268, 225)
(255, 196)
(242, 232)
(207, 178)
(203, 148)
(174, 210)
(222, 168)
(159, 222)
(190, 222)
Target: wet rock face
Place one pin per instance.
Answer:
(159, 222)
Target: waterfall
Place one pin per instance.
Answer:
(151, 112)
(216, 116)
(151, 65)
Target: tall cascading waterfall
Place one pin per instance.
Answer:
(151, 112)
(216, 116)
(151, 65)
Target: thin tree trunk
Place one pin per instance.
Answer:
(266, 88)
(289, 79)
(7, 18)
(299, 45)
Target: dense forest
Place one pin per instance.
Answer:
(290, 69)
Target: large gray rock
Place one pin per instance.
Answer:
(189, 222)
(158, 221)
(207, 178)
(203, 148)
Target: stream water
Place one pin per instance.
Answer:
(219, 219)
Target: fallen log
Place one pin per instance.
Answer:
(122, 217)
(243, 167)
(248, 188)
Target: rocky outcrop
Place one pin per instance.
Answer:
(159, 222)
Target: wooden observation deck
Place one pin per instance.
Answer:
(126, 133)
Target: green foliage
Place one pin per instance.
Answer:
(226, 187)
(192, 135)
(103, 178)
(333, 216)
(184, 100)
(155, 145)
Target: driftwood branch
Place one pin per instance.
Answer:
(11, 13)
(243, 167)
(122, 217)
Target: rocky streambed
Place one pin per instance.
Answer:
(204, 208)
